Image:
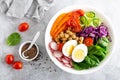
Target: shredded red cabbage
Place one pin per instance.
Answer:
(93, 32)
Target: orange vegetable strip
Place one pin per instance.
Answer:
(62, 28)
(56, 23)
(64, 20)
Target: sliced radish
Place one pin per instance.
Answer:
(68, 65)
(71, 63)
(57, 54)
(65, 61)
(53, 46)
(67, 58)
(59, 59)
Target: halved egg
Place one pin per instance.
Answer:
(68, 47)
(79, 53)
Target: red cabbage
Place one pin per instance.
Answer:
(93, 32)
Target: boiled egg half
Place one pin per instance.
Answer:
(68, 47)
(79, 53)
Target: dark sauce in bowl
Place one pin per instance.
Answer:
(30, 53)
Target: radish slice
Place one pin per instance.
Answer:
(53, 46)
(67, 58)
(59, 59)
(57, 54)
(65, 61)
(68, 65)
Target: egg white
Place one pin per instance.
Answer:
(67, 44)
(82, 47)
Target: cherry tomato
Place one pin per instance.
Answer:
(80, 12)
(88, 41)
(17, 65)
(60, 46)
(9, 59)
(23, 27)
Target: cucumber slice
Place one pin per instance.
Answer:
(96, 22)
(90, 14)
(83, 20)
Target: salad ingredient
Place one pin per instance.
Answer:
(31, 53)
(94, 33)
(80, 12)
(62, 25)
(68, 47)
(17, 65)
(53, 46)
(9, 59)
(90, 14)
(79, 53)
(23, 27)
(103, 42)
(67, 35)
(92, 60)
(97, 51)
(13, 39)
(96, 21)
(74, 22)
(83, 20)
(60, 46)
(56, 23)
(61, 28)
(88, 41)
(57, 54)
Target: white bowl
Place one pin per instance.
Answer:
(20, 48)
(48, 39)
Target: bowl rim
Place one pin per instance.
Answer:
(21, 48)
(71, 8)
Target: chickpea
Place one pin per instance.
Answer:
(58, 42)
(64, 39)
(66, 35)
(62, 34)
(74, 36)
(70, 33)
(56, 39)
(81, 40)
(70, 38)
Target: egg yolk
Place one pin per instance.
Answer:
(78, 54)
(69, 49)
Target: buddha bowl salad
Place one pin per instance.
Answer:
(79, 39)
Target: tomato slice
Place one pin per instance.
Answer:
(9, 59)
(23, 27)
(60, 46)
(88, 41)
(80, 12)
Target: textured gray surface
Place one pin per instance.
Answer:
(43, 68)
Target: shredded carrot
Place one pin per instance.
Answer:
(56, 23)
(62, 28)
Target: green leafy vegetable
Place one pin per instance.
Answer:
(80, 66)
(13, 39)
(92, 60)
(103, 42)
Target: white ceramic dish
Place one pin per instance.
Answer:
(20, 48)
(48, 39)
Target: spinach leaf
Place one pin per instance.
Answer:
(92, 60)
(80, 66)
(13, 39)
(97, 51)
